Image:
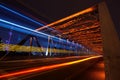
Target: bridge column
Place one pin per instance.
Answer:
(111, 42)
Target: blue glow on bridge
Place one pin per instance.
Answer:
(21, 15)
(8, 22)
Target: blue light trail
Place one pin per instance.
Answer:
(20, 28)
(1, 6)
(7, 24)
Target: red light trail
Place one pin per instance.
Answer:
(44, 68)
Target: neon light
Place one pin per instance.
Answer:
(45, 68)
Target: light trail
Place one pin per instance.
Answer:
(21, 15)
(19, 48)
(27, 30)
(24, 29)
(44, 68)
(16, 27)
(67, 18)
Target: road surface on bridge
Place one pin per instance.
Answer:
(66, 68)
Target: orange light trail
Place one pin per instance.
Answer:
(67, 18)
(44, 68)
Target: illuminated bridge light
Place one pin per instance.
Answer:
(84, 29)
(67, 18)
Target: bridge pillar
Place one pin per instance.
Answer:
(111, 42)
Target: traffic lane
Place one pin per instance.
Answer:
(28, 61)
(45, 68)
(14, 66)
(62, 73)
(95, 72)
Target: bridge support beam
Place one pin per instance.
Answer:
(111, 42)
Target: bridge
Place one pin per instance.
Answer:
(59, 40)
